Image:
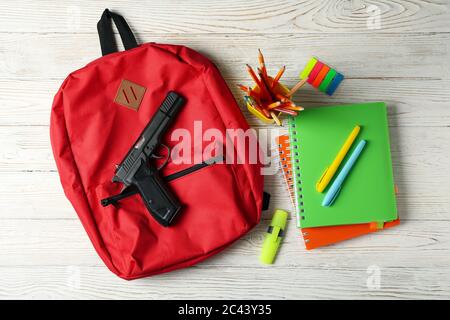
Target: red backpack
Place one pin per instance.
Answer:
(99, 112)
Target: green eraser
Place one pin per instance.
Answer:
(326, 81)
(274, 235)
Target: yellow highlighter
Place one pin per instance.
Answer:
(331, 170)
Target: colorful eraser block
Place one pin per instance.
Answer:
(320, 76)
(314, 72)
(328, 78)
(309, 66)
(334, 84)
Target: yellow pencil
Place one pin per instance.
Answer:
(274, 116)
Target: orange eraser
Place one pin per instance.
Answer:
(322, 73)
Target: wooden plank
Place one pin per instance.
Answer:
(325, 281)
(39, 195)
(44, 251)
(32, 188)
(27, 149)
(411, 102)
(252, 16)
(44, 56)
(64, 242)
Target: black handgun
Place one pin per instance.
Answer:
(136, 173)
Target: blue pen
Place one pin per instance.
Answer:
(337, 183)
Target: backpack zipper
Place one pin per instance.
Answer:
(193, 168)
(131, 190)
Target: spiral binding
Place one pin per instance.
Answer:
(297, 176)
(284, 154)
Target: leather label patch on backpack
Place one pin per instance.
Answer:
(130, 94)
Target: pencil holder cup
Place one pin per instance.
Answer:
(279, 88)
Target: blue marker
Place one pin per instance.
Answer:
(337, 183)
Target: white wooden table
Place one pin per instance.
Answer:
(45, 253)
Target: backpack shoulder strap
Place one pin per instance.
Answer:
(106, 34)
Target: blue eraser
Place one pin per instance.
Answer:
(334, 84)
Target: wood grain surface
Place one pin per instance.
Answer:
(44, 251)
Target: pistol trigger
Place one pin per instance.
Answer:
(156, 156)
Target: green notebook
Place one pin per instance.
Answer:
(367, 194)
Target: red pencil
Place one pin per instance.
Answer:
(265, 83)
(281, 97)
(244, 88)
(253, 75)
(258, 82)
(249, 91)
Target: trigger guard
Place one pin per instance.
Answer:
(160, 157)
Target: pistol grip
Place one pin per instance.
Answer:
(162, 205)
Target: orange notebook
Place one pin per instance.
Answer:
(321, 236)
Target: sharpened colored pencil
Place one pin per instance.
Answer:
(249, 91)
(281, 97)
(262, 64)
(287, 111)
(244, 88)
(257, 105)
(277, 77)
(265, 82)
(294, 107)
(253, 101)
(258, 82)
(297, 86)
(269, 97)
(253, 75)
(285, 104)
(255, 97)
(274, 105)
(274, 116)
